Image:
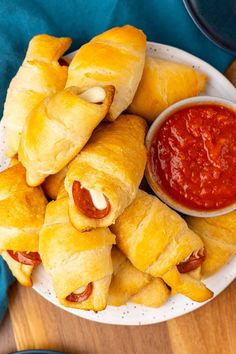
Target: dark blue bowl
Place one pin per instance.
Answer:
(216, 19)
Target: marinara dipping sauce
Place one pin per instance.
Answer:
(192, 156)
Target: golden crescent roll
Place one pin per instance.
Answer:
(53, 183)
(115, 57)
(219, 237)
(104, 178)
(22, 210)
(131, 285)
(79, 263)
(187, 285)
(39, 76)
(57, 129)
(164, 83)
(156, 239)
(20, 271)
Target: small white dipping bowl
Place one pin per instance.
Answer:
(157, 189)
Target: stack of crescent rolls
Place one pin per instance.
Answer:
(70, 199)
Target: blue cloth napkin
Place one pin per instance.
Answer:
(163, 21)
(6, 279)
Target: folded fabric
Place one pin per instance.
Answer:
(6, 279)
(163, 21)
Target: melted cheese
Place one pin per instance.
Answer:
(94, 95)
(80, 290)
(98, 199)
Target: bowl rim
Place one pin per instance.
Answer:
(156, 124)
(204, 27)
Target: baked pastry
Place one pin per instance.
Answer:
(39, 76)
(219, 237)
(22, 211)
(115, 57)
(131, 285)
(79, 263)
(53, 183)
(104, 178)
(163, 83)
(186, 284)
(157, 241)
(58, 129)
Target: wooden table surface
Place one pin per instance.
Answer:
(34, 323)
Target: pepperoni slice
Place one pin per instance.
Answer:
(82, 296)
(192, 263)
(84, 203)
(27, 258)
(63, 62)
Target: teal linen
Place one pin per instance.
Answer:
(6, 279)
(164, 21)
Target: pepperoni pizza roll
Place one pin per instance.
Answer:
(104, 178)
(79, 263)
(115, 57)
(219, 237)
(57, 129)
(131, 285)
(22, 210)
(39, 76)
(157, 241)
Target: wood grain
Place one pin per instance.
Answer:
(39, 324)
(208, 330)
(7, 340)
(230, 72)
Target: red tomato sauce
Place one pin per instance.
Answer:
(193, 156)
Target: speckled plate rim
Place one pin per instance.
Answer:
(132, 314)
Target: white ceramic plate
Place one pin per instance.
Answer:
(177, 305)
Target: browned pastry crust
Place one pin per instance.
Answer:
(115, 57)
(39, 76)
(58, 128)
(219, 237)
(22, 210)
(53, 183)
(156, 239)
(75, 259)
(163, 83)
(112, 163)
(131, 285)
